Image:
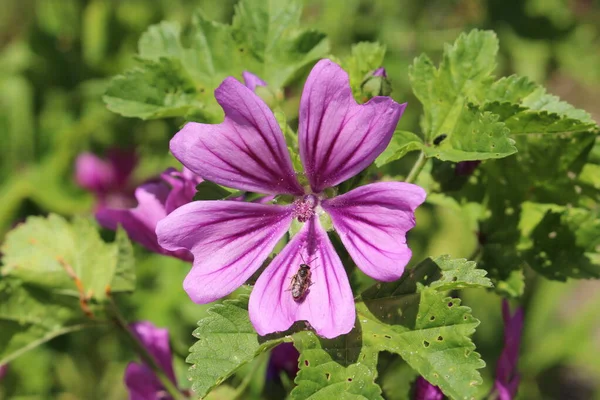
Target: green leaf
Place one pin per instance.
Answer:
(327, 371)
(180, 69)
(429, 330)
(70, 257)
(207, 190)
(444, 92)
(365, 58)
(526, 108)
(474, 115)
(154, 90)
(566, 244)
(31, 316)
(474, 136)
(457, 274)
(402, 143)
(226, 341)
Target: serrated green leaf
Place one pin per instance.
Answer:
(474, 136)
(458, 274)
(444, 92)
(365, 58)
(180, 69)
(70, 257)
(158, 89)
(327, 372)
(31, 316)
(226, 341)
(402, 143)
(526, 108)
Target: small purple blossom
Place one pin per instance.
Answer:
(156, 199)
(337, 138)
(252, 81)
(507, 377)
(140, 380)
(465, 168)
(426, 391)
(109, 179)
(3, 370)
(380, 72)
(284, 358)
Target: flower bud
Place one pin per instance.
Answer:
(376, 84)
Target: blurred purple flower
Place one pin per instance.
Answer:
(140, 380)
(466, 167)
(3, 370)
(426, 391)
(507, 377)
(380, 72)
(108, 179)
(284, 358)
(338, 138)
(252, 81)
(156, 199)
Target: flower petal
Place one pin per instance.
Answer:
(329, 304)
(93, 173)
(141, 382)
(229, 241)
(183, 187)
(338, 138)
(156, 341)
(246, 152)
(252, 81)
(140, 222)
(372, 222)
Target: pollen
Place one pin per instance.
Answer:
(304, 208)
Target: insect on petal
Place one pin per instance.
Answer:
(229, 241)
(328, 305)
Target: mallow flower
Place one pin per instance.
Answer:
(426, 391)
(337, 138)
(507, 377)
(155, 200)
(107, 179)
(140, 380)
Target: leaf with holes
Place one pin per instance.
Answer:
(328, 370)
(226, 341)
(69, 257)
(456, 274)
(179, 69)
(566, 244)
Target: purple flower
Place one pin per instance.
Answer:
(426, 391)
(507, 378)
(338, 138)
(465, 168)
(252, 81)
(156, 199)
(107, 179)
(380, 72)
(140, 380)
(3, 370)
(284, 358)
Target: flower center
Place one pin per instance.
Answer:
(304, 207)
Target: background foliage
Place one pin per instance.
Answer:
(530, 219)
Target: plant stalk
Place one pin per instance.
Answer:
(145, 355)
(417, 168)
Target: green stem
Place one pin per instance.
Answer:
(143, 352)
(239, 391)
(417, 168)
